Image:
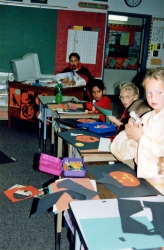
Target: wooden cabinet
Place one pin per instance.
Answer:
(24, 103)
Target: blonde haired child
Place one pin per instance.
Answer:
(144, 142)
(128, 94)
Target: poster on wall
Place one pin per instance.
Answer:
(123, 47)
(82, 40)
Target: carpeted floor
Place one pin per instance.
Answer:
(17, 230)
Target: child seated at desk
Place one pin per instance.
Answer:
(97, 89)
(128, 94)
(144, 141)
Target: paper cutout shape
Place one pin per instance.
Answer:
(125, 178)
(63, 203)
(10, 193)
(105, 112)
(86, 138)
(144, 189)
(109, 180)
(78, 144)
(69, 184)
(5, 159)
(85, 120)
(49, 200)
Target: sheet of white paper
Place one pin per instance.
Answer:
(72, 134)
(104, 144)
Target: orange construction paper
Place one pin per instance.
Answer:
(86, 138)
(63, 203)
(85, 120)
(10, 193)
(125, 179)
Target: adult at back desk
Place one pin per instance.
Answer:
(75, 74)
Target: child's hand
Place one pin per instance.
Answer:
(134, 131)
(70, 83)
(65, 80)
(132, 122)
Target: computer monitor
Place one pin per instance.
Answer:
(28, 68)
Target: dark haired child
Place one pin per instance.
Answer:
(97, 90)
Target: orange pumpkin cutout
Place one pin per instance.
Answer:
(84, 120)
(86, 138)
(125, 179)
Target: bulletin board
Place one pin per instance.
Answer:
(123, 45)
(156, 43)
(83, 33)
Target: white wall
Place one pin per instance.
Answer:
(147, 7)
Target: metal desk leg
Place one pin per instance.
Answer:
(58, 230)
(40, 127)
(59, 149)
(45, 130)
(52, 135)
(70, 148)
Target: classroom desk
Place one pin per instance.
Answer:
(104, 193)
(46, 112)
(100, 219)
(65, 116)
(90, 154)
(132, 186)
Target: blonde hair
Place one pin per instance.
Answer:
(157, 73)
(129, 86)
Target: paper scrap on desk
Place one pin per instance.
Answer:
(63, 202)
(71, 185)
(109, 180)
(72, 134)
(104, 144)
(93, 182)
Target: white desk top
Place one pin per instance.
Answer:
(107, 235)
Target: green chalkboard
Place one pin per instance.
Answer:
(24, 30)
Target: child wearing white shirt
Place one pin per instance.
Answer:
(144, 142)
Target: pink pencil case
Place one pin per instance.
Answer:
(50, 164)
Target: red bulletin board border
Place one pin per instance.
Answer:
(79, 18)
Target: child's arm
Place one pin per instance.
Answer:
(114, 120)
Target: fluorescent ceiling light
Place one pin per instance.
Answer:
(118, 18)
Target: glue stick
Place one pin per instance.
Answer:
(134, 116)
(93, 107)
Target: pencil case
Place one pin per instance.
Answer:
(50, 164)
(101, 127)
(73, 167)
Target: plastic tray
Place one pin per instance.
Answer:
(101, 127)
(73, 173)
(85, 124)
(50, 164)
